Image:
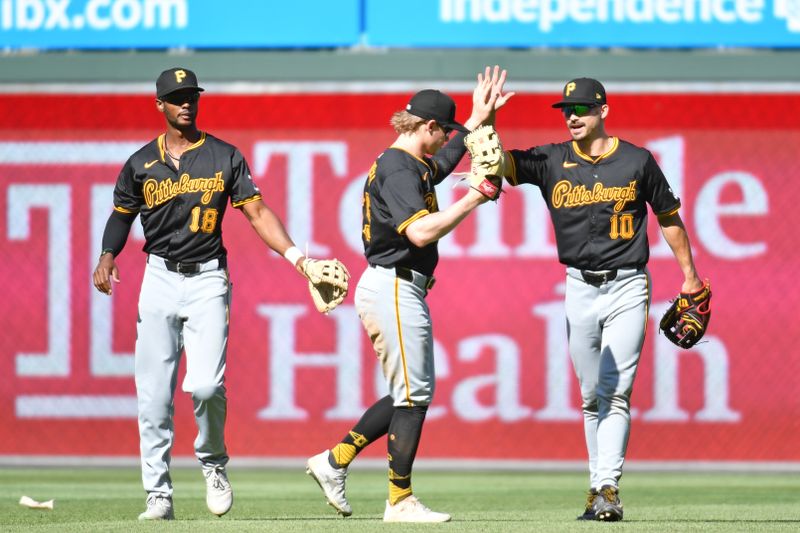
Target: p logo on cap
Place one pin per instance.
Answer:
(176, 79)
(582, 91)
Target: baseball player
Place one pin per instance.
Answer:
(597, 188)
(401, 226)
(180, 183)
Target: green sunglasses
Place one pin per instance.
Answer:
(578, 110)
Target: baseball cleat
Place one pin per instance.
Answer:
(331, 480)
(159, 507)
(591, 505)
(219, 495)
(410, 509)
(609, 506)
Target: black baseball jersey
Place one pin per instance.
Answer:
(398, 191)
(597, 204)
(182, 209)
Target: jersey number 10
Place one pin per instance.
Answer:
(621, 226)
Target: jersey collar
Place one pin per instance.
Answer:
(594, 160)
(162, 152)
(412, 155)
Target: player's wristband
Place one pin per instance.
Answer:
(293, 255)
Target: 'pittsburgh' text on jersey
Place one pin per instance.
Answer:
(597, 204)
(182, 209)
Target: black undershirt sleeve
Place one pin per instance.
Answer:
(116, 233)
(449, 156)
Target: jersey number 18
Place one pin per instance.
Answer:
(208, 222)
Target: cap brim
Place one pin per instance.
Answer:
(457, 127)
(565, 103)
(198, 89)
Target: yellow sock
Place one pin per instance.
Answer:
(344, 454)
(396, 492)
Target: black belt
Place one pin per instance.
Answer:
(192, 268)
(407, 274)
(598, 278)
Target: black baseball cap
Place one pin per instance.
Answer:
(176, 79)
(586, 91)
(431, 104)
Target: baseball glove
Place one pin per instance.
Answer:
(488, 161)
(327, 282)
(686, 320)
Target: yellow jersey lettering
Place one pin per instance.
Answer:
(431, 202)
(567, 195)
(158, 192)
(372, 171)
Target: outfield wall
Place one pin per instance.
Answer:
(297, 380)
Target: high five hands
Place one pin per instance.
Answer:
(488, 95)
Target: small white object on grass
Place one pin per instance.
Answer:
(26, 501)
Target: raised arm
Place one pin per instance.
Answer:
(488, 97)
(432, 227)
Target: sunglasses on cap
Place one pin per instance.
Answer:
(579, 110)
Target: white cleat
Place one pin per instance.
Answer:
(219, 495)
(159, 507)
(411, 509)
(331, 481)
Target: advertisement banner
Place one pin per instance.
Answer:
(584, 23)
(297, 380)
(109, 24)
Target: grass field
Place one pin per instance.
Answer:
(286, 500)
